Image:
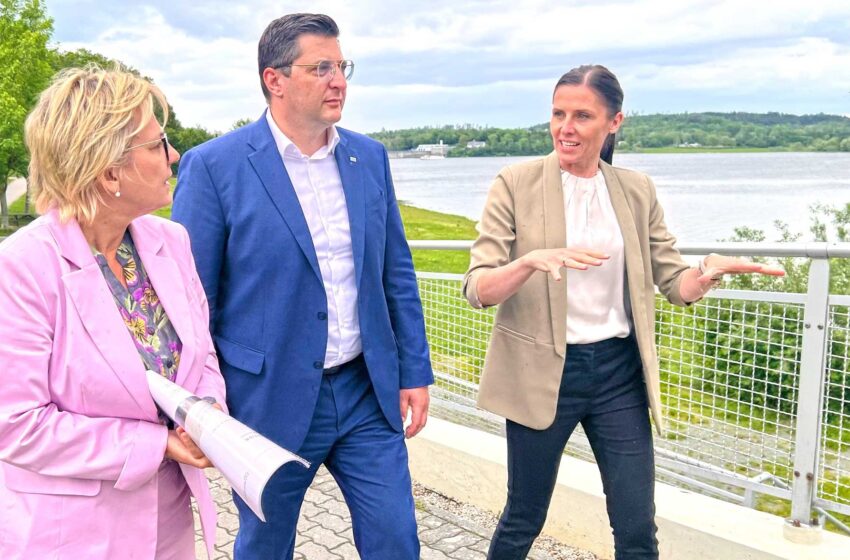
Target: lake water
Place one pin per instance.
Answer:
(704, 196)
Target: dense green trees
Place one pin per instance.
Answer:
(27, 66)
(773, 131)
(182, 138)
(25, 69)
(737, 130)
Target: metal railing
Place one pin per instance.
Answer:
(755, 385)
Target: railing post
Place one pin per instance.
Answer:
(810, 407)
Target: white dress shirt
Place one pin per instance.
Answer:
(319, 189)
(595, 307)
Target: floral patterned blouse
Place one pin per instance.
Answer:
(154, 335)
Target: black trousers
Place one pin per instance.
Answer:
(601, 388)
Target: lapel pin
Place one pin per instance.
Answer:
(352, 159)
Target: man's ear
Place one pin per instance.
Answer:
(275, 81)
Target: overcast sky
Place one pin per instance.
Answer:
(491, 62)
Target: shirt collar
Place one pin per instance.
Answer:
(287, 148)
(572, 182)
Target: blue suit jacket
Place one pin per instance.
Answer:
(268, 309)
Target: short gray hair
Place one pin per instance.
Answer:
(279, 42)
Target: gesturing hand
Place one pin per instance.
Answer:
(715, 266)
(552, 260)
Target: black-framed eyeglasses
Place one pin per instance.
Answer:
(327, 68)
(163, 137)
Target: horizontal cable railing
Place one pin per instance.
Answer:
(755, 384)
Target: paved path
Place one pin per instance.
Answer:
(15, 189)
(324, 530)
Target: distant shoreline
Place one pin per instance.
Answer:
(670, 150)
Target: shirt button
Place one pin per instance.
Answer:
(322, 315)
(318, 365)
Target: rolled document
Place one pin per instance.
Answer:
(245, 458)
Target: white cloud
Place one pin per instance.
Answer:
(808, 63)
(208, 82)
(476, 61)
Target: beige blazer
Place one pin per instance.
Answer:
(524, 212)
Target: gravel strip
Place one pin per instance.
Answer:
(471, 517)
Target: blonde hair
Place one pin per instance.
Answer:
(81, 126)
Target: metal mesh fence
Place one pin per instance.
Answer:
(730, 372)
(834, 468)
(729, 378)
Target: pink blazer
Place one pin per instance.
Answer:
(80, 444)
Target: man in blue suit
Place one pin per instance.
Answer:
(313, 300)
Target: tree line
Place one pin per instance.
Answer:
(28, 63)
(773, 131)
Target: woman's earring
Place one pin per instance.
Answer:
(118, 194)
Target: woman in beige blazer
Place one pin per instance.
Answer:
(579, 347)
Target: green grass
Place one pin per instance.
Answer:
(425, 225)
(16, 207)
(19, 205)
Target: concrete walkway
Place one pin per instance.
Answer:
(324, 530)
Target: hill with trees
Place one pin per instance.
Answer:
(681, 131)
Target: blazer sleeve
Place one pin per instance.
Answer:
(197, 206)
(667, 262)
(212, 382)
(35, 433)
(496, 235)
(402, 294)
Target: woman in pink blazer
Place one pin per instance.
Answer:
(93, 293)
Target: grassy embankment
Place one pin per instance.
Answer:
(418, 224)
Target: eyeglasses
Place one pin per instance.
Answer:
(327, 68)
(162, 138)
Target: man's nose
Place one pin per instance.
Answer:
(338, 77)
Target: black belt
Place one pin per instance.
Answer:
(336, 369)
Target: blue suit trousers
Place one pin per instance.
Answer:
(350, 435)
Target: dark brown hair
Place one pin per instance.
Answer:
(278, 45)
(604, 83)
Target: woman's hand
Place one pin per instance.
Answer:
(715, 266)
(552, 260)
(498, 284)
(182, 449)
(697, 282)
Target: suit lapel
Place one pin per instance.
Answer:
(352, 185)
(634, 260)
(170, 289)
(555, 237)
(99, 315)
(269, 167)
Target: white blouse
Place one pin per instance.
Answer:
(595, 307)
